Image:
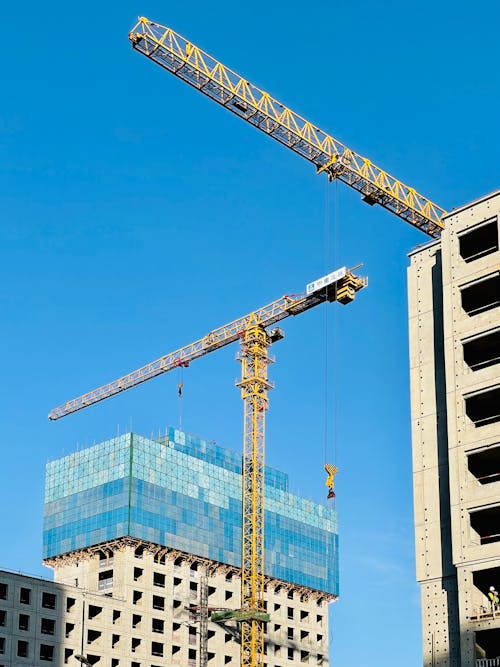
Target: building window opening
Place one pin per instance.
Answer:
(48, 600)
(139, 552)
(70, 603)
(137, 597)
(228, 595)
(3, 616)
(138, 573)
(159, 602)
(3, 591)
(46, 652)
(136, 620)
(115, 662)
(304, 656)
(482, 351)
(158, 625)
(479, 241)
(116, 616)
(2, 645)
(136, 642)
(22, 649)
(94, 611)
(105, 580)
(177, 581)
(69, 629)
(304, 615)
(159, 579)
(48, 626)
(192, 635)
(487, 646)
(483, 408)
(175, 649)
(481, 295)
(93, 659)
(157, 649)
(114, 640)
(92, 636)
(227, 659)
(25, 596)
(24, 622)
(290, 654)
(485, 525)
(68, 652)
(485, 465)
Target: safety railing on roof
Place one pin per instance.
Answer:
(488, 662)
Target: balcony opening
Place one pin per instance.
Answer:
(479, 241)
(485, 525)
(481, 295)
(94, 611)
(483, 408)
(485, 465)
(483, 350)
(48, 626)
(487, 648)
(483, 607)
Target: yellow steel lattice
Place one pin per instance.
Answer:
(176, 54)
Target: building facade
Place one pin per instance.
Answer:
(142, 534)
(454, 324)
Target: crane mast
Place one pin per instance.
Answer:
(255, 339)
(199, 69)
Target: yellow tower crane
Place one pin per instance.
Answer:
(255, 338)
(199, 69)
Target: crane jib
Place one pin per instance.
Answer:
(326, 288)
(199, 69)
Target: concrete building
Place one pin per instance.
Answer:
(137, 530)
(454, 322)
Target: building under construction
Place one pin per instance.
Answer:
(454, 299)
(144, 536)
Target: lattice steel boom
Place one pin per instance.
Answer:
(255, 339)
(200, 70)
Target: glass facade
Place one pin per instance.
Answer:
(184, 492)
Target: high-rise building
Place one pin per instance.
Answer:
(454, 322)
(142, 534)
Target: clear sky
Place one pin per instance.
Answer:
(137, 215)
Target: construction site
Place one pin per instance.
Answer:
(174, 550)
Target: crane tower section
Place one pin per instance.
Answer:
(199, 69)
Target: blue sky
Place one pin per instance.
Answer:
(137, 215)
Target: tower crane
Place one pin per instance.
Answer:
(255, 336)
(199, 69)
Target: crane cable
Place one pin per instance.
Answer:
(330, 433)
